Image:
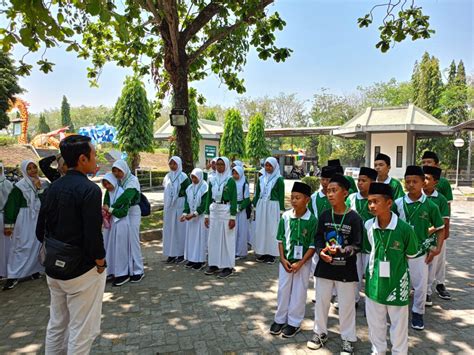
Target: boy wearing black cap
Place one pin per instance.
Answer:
(390, 242)
(296, 245)
(443, 186)
(319, 201)
(338, 239)
(382, 166)
(422, 214)
(336, 163)
(437, 268)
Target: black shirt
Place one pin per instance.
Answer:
(343, 267)
(72, 213)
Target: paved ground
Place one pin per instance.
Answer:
(175, 310)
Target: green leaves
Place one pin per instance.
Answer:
(45, 66)
(232, 140)
(255, 144)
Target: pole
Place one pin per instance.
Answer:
(457, 171)
(469, 155)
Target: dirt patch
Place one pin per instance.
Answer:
(158, 161)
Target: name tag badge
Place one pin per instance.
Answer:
(298, 252)
(60, 263)
(384, 269)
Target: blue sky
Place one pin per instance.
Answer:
(329, 50)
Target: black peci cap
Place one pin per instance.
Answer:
(433, 171)
(379, 188)
(328, 172)
(383, 157)
(341, 181)
(414, 170)
(369, 172)
(301, 187)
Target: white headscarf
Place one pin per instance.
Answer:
(240, 183)
(238, 163)
(172, 182)
(27, 187)
(267, 181)
(220, 180)
(5, 187)
(195, 192)
(128, 181)
(113, 195)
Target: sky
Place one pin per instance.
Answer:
(329, 51)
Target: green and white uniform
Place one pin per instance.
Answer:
(319, 203)
(444, 187)
(396, 186)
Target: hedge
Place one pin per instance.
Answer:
(312, 181)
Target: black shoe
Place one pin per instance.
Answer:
(276, 328)
(198, 266)
(137, 278)
(261, 259)
(417, 321)
(110, 278)
(270, 260)
(211, 270)
(317, 341)
(121, 280)
(442, 292)
(226, 272)
(170, 259)
(189, 265)
(290, 331)
(36, 276)
(10, 284)
(429, 301)
(179, 259)
(347, 347)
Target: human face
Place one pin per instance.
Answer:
(325, 183)
(194, 179)
(235, 175)
(414, 184)
(363, 184)
(107, 185)
(32, 170)
(220, 166)
(382, 168)
(119, 174)
(430, 183)
(379, 204)
(428, 162)
(213, 165)
(268, 168)
(173, 166)
(88, 165)
(336, 194)
(299, 201)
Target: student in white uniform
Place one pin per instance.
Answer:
(296, 232)
(5, 188)
(211, 173)
(390, 242)
(195, 247)
(21, 214)
(117, 237)
(221, 211)
(242, 219)
(131, 195)
(269, 200)
(253, 223)
(174, 232)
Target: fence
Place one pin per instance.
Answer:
(150, 179)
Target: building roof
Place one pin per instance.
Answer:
(13, 155)
(211, 130)
(465, 126)
(393, 119)
(298, 131)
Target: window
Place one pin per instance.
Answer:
(399, 156)
(377, 150)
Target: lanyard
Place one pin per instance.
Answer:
(409, 216)
(338, 227)
(385, 246)
(265, 191)
(362, 207)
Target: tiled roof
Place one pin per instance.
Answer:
(13, 155)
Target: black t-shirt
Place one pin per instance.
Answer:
(343, 267)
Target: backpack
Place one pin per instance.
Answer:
(248, 209)
(144, 204)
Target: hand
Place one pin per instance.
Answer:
(105, 208)
(231, 223)
(349, 250)
(182, 218)
(206, 222)
(189, 216)
(431, 230)
(36, 182)
(324, 257)
(287, 265)
(296, 266)
(8, 232)
(432, 253)
(100, 265)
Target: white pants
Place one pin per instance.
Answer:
(419, 279)
(437, 269)
(241, 233)
(136, 258)
(347, 311)
(292, 291)
(362, 261)
(377, 320)
(76, 308)
(221, 237)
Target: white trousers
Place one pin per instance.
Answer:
(347, 310)
(76, 308)
(419, 280)
(5, 246)
(241, 233)
(136, 258)
(292, 291)
(437, 269)
(361, 263)
(221, 238)
(377, 320)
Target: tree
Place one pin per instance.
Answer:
(255, 145)
(132, 115)
(66, 115)
(9, 87)
(452, 73)
(232, 140)
(182, 39)
(42, 125)
(210, 116)
(390, 93)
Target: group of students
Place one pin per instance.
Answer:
(208, 218)
(395, 240)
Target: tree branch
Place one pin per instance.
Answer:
(200, 21)
(170, 11)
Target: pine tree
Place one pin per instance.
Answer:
(66, 115)
(452, 73)
(42, 125)
(255, 144)
(8, 86)
(132, 116)
(232, 140)
(461, 74)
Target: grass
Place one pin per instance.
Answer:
(153, 221)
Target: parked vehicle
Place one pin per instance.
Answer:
(352, 171)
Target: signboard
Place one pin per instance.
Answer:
(210, 151)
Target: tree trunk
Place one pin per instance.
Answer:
(134, 161)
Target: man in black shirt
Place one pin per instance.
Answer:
(71, 214)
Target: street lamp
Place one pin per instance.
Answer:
(458, 143)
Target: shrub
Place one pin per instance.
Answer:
(312, 181)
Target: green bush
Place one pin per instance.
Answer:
(312, 181)
(7, 140)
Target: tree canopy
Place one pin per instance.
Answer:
(9, 87)
(232, 140)
(255, 144)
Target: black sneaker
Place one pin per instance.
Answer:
(137, 278)
(417, 321)
(189, 265)
(442, 292)
(198, 266)
(170, 259)
(211, 270)
(10, 284)
(36, 276)
(290, 331)
(226, 272)
(261, 259)
(276, 328)
(270, 259)
(179, 259)
(347, 347)
(317, 341)
(121, 280)
(429, 301)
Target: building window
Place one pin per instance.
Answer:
(399, 156)
(377, 150)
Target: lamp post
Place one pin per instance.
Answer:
(458, 143)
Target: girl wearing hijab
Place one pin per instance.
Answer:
(21, 214)
(243, 200)
(131, 196)
(253, 224)
(117, 237)
(212, 171)
(221, 209)
(237, 163)
(195, 246)
(5, 188)
(269, 200)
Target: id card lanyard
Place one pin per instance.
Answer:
(409, 216)
(298, 251)
(338, 227)
(385, 246)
